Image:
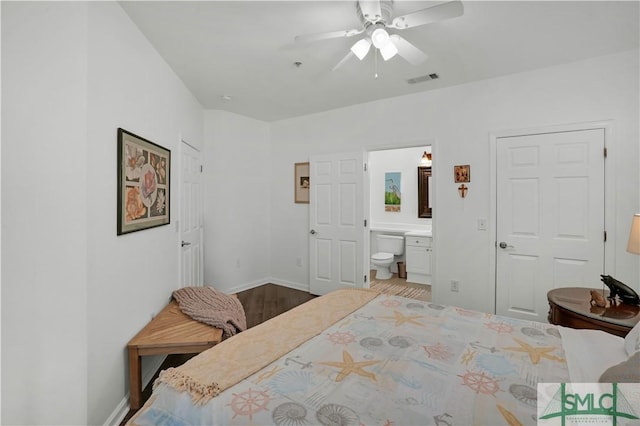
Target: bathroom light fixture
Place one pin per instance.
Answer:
(426, 159)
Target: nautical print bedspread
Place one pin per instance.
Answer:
(395, 361)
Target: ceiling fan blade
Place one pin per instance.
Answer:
(324, 36)
(343, 60)
(426, 16)
(370, 10)
(408, 51)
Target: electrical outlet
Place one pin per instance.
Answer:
(455, 285)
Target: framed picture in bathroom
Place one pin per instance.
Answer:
(143, 183)
(301, 183)
(424, 193)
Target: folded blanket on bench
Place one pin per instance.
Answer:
(212, 307)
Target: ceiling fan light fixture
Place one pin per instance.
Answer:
(361, 48)
(380, 37)
(388, 51)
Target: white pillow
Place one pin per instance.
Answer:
(632, 340)
(604, 350)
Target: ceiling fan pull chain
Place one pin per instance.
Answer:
(375, 65)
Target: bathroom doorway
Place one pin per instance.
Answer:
(398, 163)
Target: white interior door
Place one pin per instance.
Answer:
(336, 222)
(191, 223)
(550, 218)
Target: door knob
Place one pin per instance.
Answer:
(185, 243)
(313, 232)
(504, 245)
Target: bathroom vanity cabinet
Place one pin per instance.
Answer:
(418, 258)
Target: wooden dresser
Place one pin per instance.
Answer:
(571, 307)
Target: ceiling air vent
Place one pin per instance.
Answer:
(423, 78)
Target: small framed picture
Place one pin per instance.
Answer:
(462, 173)
(301, 183)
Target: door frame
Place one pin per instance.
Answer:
(413, 143)
(609, 187)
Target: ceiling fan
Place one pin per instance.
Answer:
(377, 18)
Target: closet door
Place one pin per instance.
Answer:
(550, 218)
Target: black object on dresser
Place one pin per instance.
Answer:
(571, 307)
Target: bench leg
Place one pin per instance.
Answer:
(135, 379)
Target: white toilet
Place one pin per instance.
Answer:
(388, 246)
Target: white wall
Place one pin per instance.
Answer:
(460, 120)
(74, 293)
(44, 218)
(237, 180)
(131, 276)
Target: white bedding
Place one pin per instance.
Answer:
(395, 361)
(590, 352)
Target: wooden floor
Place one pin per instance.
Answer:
(270, 300)
(260, 304)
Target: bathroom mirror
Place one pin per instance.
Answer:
(424, 188)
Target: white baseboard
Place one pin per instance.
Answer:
(263, 281)
(290, 284)
(119, 413)
(123, 408)
(246, 286)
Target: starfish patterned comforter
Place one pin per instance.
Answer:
(392, 361)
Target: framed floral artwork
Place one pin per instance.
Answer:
(143, 183)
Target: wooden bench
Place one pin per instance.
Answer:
(169, 332)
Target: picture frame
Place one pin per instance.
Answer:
(425, 210)
(392, 192)
(144, 184)
(301, 183)
(462, 173)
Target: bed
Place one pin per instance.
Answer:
(358, 357)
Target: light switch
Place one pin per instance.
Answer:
(482, 224)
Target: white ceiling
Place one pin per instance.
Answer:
(246, 49)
